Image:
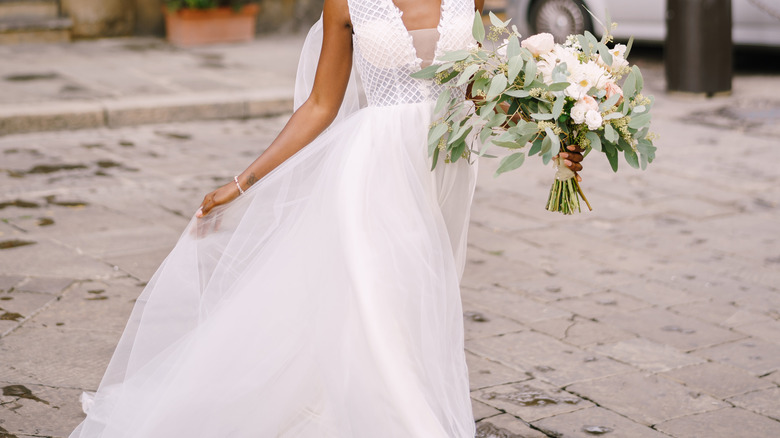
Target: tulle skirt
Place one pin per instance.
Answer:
(324, 302)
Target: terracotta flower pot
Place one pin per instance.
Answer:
(194, 27)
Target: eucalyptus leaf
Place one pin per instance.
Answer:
(530, 73)
(445, 66)
(466, 74)
(556, 142)
(559, 86)
(455, 55)
(536, 146)
(584, 44)
(640, 81)
(643, 161)
(611, 153)
(478, 29)
(442, 101)
(604, 53)
(517, 93)
(629, 45)
(631, 158)
(542, 116)
(508, 144)
(639, 109)
(457, 150)
(612, 116)
(515, 66)
(497, 86)
(629, 86)
(560, 73)
(513, 47)
(546, 146)
(558, 107)
(609, 103)
(524, 128)
(638, 122)
(436, 133)
(495, 21)
(510, 162)
(610, 134)
(487, 110)
(435, 159)
(595, 141)
(460, 132)
(426, 73)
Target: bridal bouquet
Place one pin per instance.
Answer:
(538, 97)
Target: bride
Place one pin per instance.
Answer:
(317, 294)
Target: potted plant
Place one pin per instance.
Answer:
(199, 22)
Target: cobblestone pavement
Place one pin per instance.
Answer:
(656, 315)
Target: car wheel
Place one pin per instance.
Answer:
(561, 18)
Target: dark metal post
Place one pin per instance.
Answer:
(698, 49)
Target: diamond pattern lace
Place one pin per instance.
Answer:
(384, 50)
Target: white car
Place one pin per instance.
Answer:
(755, 22)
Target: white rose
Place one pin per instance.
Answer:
(578, 112)
(539, 44)
(618, 58)
(593, 120)
(552, 59)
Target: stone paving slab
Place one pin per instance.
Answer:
(723, 423)
(645, 398)
(594, 421)
(718, 380)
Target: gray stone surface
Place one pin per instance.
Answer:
(595, 421)
(645, 398)
(506, 426)
(660, 307)
(723, 423)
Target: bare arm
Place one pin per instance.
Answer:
(316, 114)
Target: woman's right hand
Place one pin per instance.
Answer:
(218, 197)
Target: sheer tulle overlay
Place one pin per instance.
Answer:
(324, 302)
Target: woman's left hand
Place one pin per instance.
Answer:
(572, 159)
(221, 196)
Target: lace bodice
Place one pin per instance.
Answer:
(385, 54)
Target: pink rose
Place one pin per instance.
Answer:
(539, 44)
(612, 89)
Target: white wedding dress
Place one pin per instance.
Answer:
(324, 302)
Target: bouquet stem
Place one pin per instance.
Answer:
(566, 192)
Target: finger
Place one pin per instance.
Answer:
(574, 157)
(573, 166)
(574, 148)
(579, 178)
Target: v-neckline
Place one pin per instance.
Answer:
(439, 26)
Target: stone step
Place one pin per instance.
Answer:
(23, 9)
(34, 30)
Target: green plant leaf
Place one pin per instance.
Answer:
(640, 81)
(524, 128)
(609, 103)
(612, 116)
(546, 147)
(508, 144)
(513, 47)
(611, 152)
(517, 93)
(510, 162)
(595, 141)
(604, 53)
(629, 45)
(455, 55)
(638, 122)
(426, 73)
(542, 116)
(442, 101)
(466, 74)
(629, 86)
(435, 159)
(610, 134)
(497, 86)
(536, 146)
(631, 158)
(515, 66)
(495, 21)
(530, 73)
(557, 108)
(436, 133)
(478, 29)
(558, 86)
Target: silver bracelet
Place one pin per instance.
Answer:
(240, 190)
